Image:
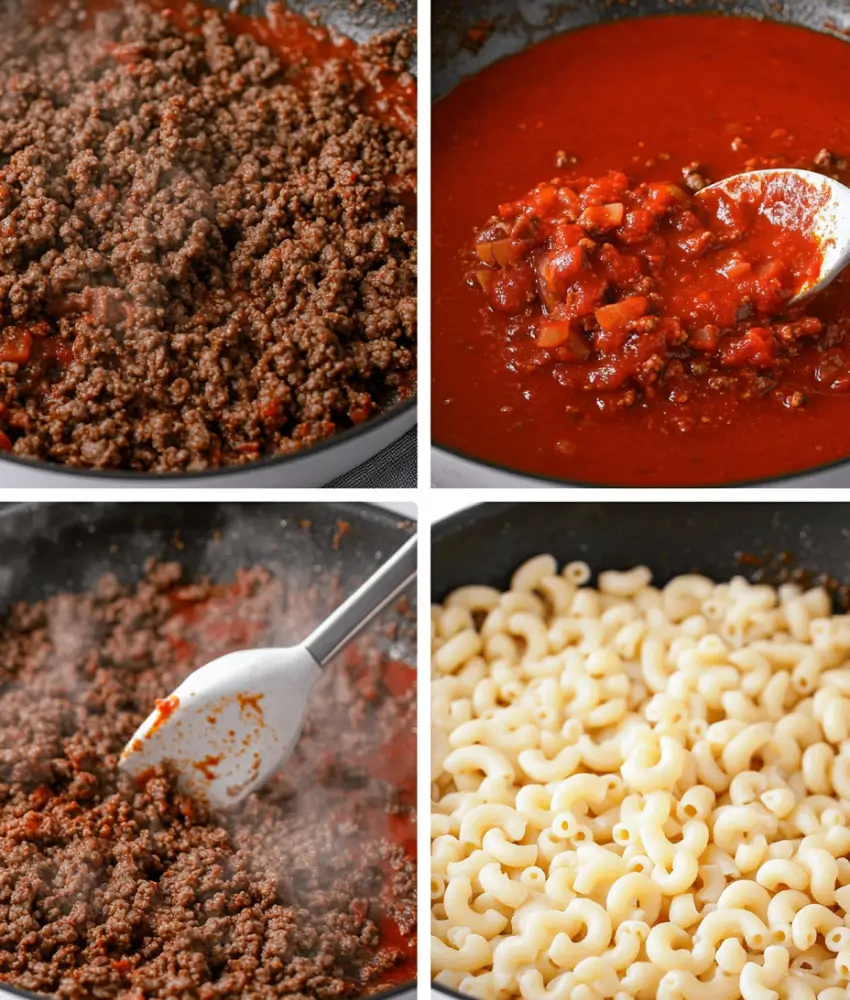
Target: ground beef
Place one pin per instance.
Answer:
(207, 252)
(112, 888)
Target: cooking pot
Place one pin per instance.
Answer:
(327, 460)
(52, 547)
(486, 543)
(511, 27)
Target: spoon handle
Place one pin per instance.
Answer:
(358, 610)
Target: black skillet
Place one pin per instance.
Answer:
(52, 547)
(486, 543)
(506, 27)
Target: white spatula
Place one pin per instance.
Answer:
(233, 722)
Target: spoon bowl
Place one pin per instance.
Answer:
(804, 200)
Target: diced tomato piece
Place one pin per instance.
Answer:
(584, 295)
(705, 339)
(598, 219)
(618, 314)
(513, 288)
(269, 409)
(568, 200)
(621, 268)
(566, 236)
(696, 243)
(15, 344)
(557, 270)
(5, 443)
(604, 189)
(637, 226)
(360, 413)
(546, 197)
(756, 347)
(642, 346)
(610, 341)
(571, 344)
(608, 374)
(661, 196)
(501, 252)
(653, 252)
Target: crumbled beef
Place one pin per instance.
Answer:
(695, 176)
(115, 888)
(207, 252)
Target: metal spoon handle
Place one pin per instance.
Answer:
(358, 610)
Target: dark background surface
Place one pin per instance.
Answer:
(485, 544)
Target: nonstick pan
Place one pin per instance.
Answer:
(52, 547)
(505, 27)
(486, 543)
(327, 460)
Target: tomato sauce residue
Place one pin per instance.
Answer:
(165, 708)
(206, 766)
(251, 703)
(518, 378)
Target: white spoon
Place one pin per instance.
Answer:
(788, 196)
(233, 722)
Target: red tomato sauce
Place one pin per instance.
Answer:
(519, 379)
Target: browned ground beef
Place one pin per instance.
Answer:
(206, 255)
(110, 888)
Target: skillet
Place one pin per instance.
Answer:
(331, 458)
(509, 27)
(46, 548)
(486, 543)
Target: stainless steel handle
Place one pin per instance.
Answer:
(358, 610)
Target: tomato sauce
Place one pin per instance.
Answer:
(574, 99)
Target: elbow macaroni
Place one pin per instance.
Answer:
(640, 793)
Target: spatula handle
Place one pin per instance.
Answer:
(358, 610)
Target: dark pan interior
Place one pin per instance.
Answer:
(485, 544)
(51, 547)
(509, 27)
(46, 548)
(357, 20)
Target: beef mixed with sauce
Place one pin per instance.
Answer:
(114, 887)
(596, 318)
(646, 294)
(207, 234)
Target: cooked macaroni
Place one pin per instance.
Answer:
(640, 793)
